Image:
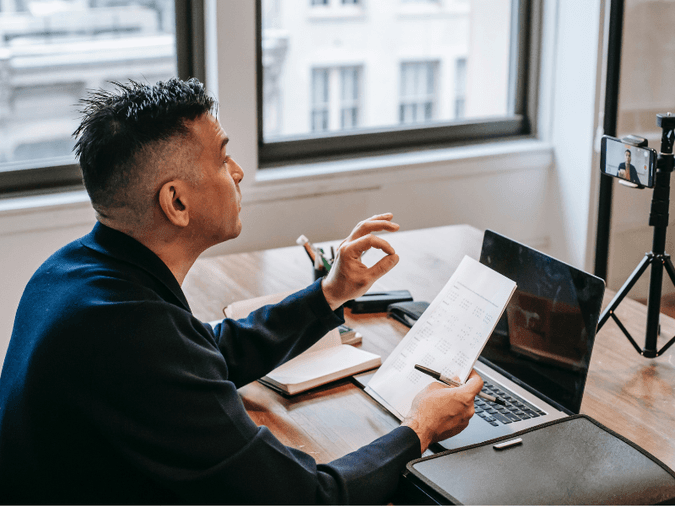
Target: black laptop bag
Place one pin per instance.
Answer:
(573, 460)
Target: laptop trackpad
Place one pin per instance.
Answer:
(478, 431)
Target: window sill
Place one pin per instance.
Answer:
(338, 176)
(45, 212)
(72, 208)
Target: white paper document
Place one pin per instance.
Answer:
(448, 337)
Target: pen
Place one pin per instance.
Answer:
(444, 379)
(322, 256)
(304, 242)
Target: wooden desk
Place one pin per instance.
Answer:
(630, 394)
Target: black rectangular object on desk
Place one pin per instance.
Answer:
(573, 460)
(407, 312)
(377, 302)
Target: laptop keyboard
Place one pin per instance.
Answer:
(516, 408)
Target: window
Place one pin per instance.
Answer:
(430, 74)
(335, 98)
(320, 102)
(349, 94)
(460, 87)
(53, 51)
(418, 92)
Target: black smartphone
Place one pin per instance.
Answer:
(627, 162)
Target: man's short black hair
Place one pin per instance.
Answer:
(118, 124)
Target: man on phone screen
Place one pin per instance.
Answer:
(627, 169)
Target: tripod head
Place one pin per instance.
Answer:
(667, 123)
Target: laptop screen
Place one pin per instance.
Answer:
(545, 337)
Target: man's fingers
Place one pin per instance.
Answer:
(474, 382)
(377, 223)
(384, 265)
(359, 246)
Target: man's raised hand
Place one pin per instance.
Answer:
(349, 277)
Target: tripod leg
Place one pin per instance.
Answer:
(668, 264)
(653, 307)
(623, 291)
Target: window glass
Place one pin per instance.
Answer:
(418, 92)
(320, 87)
(335, 98)
(460, 88)
(53, 51)
(382, 64)
(349, 103)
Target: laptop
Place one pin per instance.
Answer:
(538, 356)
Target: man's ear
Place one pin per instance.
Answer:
(173, 201)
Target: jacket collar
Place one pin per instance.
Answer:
(122, 247)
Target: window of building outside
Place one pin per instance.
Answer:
(341, 76)
(335, 98)
(53, 51)
(460, 87)
(418, 92)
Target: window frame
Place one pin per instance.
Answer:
(524, 79)
(60, 173)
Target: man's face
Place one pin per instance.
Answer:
(216, 198)
(627, 157)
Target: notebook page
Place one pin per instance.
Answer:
(448, 337)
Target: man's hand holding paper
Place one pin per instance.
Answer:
(439, 412)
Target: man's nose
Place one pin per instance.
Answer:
(237, 173)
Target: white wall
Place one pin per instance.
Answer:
(538, 191)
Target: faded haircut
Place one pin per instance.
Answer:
(134, 138)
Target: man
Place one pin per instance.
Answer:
(631, 173)
(111, 390)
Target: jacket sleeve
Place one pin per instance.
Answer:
(273, 334)
(161, 394)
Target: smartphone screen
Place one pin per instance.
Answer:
(627, 162)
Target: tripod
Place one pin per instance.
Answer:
(657, 258)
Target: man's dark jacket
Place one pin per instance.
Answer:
(632, 172)
(112, 392)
